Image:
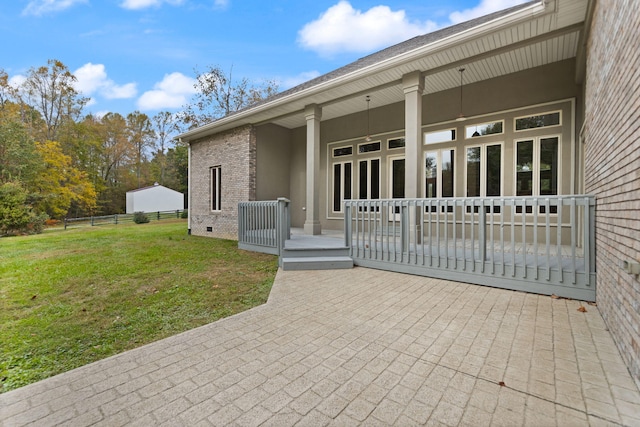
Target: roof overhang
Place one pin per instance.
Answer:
(536, 34)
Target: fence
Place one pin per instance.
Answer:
(537, 244)
(264, 226)
(90, 221)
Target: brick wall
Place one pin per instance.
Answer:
(612, 165)
(235, 152)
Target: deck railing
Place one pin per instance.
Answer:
(264, 226)
(539, 244)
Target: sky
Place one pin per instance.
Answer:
(141, 55)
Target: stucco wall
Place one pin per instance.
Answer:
(273, 162)
(612, 166)
(235, 152)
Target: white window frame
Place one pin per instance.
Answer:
(342, 186)
(475, 126)
(515, 119)
(425, 134)
(368, 161)
(333, 156)
(215, 189)
(369, 152)
(535, 192)
(393, 139)
(438, 152)
(483, 168)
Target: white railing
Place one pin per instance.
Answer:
(264, 226)
(547, 241)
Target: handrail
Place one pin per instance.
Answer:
(264, 226)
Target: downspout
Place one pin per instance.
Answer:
(189, 210)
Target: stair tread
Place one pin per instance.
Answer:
(317, 259)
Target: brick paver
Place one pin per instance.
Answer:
(357, 347)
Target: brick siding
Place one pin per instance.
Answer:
(235, 152)
(612, 165)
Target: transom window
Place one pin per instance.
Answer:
(342, 151)
(438, 136)
(395, 143)
(538, 121)
(369, 147)
(484, 129)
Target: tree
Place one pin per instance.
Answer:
(219, 95)
(164, 125)
(141, 136)
(59, 183)
(16, 216)
(50, 91)
(19, 159)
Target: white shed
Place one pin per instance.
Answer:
(155, 198)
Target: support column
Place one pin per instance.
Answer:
(413, 85)
(313, 114)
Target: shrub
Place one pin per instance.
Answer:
(16, 215)
(185, 214)
(140, 218)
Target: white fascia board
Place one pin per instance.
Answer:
(531, 12)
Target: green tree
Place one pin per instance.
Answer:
(19, 159)
(141, 138)
(16, 215)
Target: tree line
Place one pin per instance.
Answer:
(57, 162)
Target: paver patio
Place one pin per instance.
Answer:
(356, 347)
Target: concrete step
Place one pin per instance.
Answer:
(315, 252)
(317, 263)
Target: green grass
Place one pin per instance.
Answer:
(71, 297)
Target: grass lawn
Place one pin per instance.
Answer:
(68, 298)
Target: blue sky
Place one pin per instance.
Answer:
(140, 54)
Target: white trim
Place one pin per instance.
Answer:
(215, 194)
(483, 168)
(475, 125)
(515, 119)
(439, 164)
(330, 187)
(376, 141)
(393, 139)
(368, 160)
(535, 191)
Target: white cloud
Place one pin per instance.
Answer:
(92, 78)
(143, 4)
(484, 8)
(341, 28)
(40, 7)
(289, 82)
(344, 29)
(221, 4)
(172, 92)
(17, 80)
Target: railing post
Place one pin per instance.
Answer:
(404, 227)
(92, 221)
(65, 223)
(115, 219)
(283, 223)
(347, 225)
(482, 233)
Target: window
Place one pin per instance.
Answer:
(437, 136)
(395, 143)
(369, 147)
(537, 168)
(484, 172)
(342, 151)
(341, 184)
(538, 121)
(216, 191)
(483, 129)
(369, 179)
(439, 173)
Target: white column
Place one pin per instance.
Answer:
(413, 85)
(313, 114)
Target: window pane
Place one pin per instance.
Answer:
(447, 173)
(440, 136)
(397, 173)
(494, 172)
(214, 189)
(482, 129)
(342, 151)
(395, 143)
(367, 148)
(347, 181)
(375, 179)
(431, 174)
(524, 168)
(363, 181)
(549, 166)
(337, 181)
(473, 172)
(531, 122)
